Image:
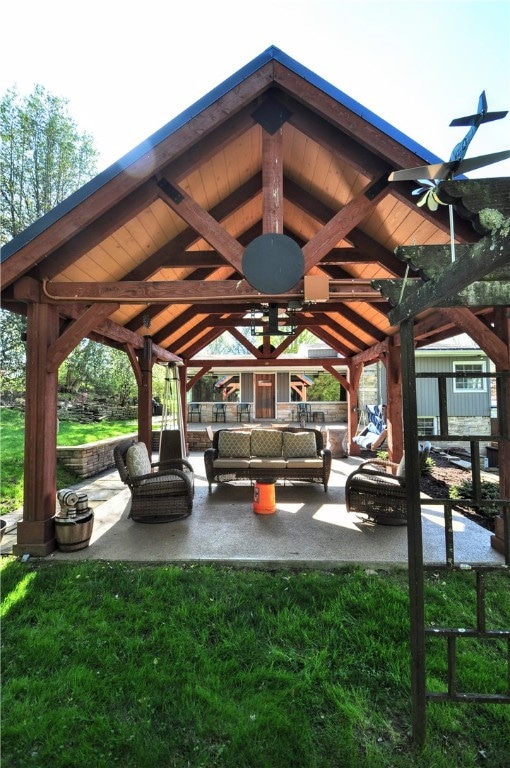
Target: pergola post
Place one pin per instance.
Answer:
(501, 539)
(392, 362)
(355, 372)
(36, 532)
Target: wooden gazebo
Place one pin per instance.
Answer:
(148, 256)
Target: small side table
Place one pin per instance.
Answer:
(318, 416)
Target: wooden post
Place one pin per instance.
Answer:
(391, 360)
(36, 532)
(355, 372)
(501, 539)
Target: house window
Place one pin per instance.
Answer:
(213, 388)
(426, 425)
(468, 378)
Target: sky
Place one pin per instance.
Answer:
(127, 68)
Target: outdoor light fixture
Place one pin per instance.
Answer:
(272, 320)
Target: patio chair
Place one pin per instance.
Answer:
(374, 433)
(304, 413)
(377, 489)
(160, 491)
(244, 410)
(219, 412)
(194, 409)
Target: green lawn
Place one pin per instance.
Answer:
(12, 451)
(110, 664)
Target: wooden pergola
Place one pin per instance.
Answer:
(148, 256)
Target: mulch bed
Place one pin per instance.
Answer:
(437, 482)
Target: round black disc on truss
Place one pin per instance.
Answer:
(273, 263)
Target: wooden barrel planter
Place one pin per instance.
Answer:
(73, 533)
(74, 524)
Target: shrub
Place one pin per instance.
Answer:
(489, 490)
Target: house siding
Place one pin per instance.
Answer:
(246, 387)
(464, 403)
(460, 404)
(282, 387)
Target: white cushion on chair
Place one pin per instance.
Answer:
(137, 460)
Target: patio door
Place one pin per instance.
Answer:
(264, 396)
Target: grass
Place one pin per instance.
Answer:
(110, 664)
(70, 433)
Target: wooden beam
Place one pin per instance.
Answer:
(251, 348)
(187, 291)
(135, 364)
(203, 370)
(470, 196)
(432, 260)
(79, 329)
(342, 222)
(301, 363)
(371, 355)
(482, 293)
(488, 254)
(487, 340)
(272, 182)
(202, 222)
(338, 376)
(336, 141)
(322, 213)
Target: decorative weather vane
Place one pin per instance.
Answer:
(431, 176)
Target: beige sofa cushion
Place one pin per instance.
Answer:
(233, 444)
(299, 445)
(231, 464)
(267, 463)
(295, 464)
(266, 442)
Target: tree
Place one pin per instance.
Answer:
(325, 388)
(43, 159)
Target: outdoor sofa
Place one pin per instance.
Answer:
(258, 454)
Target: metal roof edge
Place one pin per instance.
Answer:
(91, 186)
(270, 54)
(358, 109)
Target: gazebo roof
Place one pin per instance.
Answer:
(154, 245)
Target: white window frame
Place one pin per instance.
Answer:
(481, 366)
(433, 420)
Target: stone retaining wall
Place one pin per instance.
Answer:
(90, 459)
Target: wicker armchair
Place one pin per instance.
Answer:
(160, 491)
(377, 489)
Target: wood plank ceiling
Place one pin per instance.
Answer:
(159, 237)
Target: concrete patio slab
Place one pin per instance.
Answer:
(310, 529)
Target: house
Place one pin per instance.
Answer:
(275, 393)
